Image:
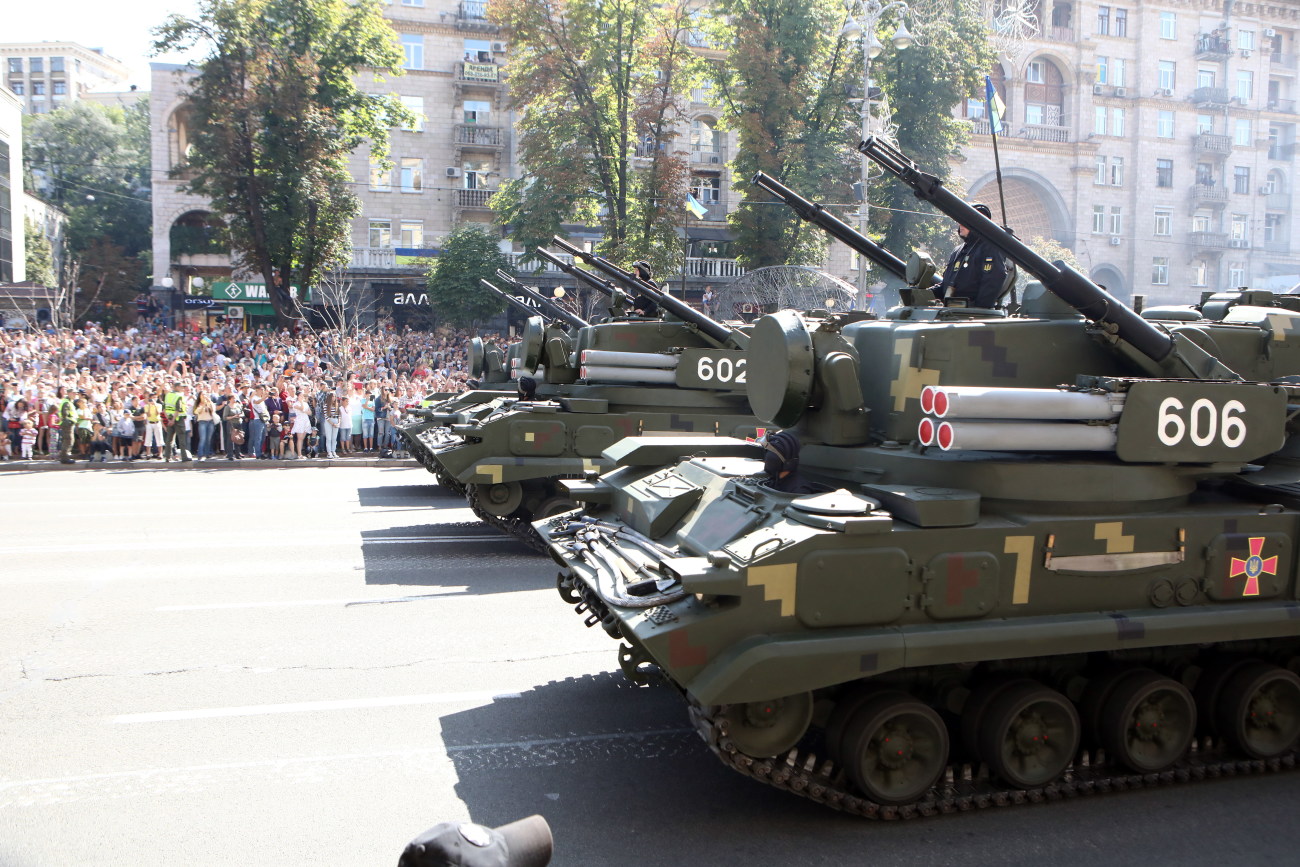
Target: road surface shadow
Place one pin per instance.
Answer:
(469, 554)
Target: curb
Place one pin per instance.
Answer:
(53, 465)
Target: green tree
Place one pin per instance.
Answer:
(598, 84)
(784, 85)
(92, 162)
(945, 66)
(468, 255)
(276, 113)
(40, 255)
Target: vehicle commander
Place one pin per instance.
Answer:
(976, 270)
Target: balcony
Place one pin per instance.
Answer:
(1209, 194)
(475, 199)
(472, 16)
(1044, 132)
(1279, 246)
(537, 265)
(473, 135)
(1211, 96)
(709, 269)
(1209, 143)
(1286, 106)
(1208, 240)
(707, 156)
(1277, 201)
(1283, 152)
(372, 258)
(1057, 34)
(1212, 47)
(478, 73)
(1282, 60)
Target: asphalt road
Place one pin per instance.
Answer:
(310, 666)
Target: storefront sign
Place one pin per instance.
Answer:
(197, 302)
(239, 292)
(410, 299)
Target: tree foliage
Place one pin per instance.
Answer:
(784, 86)
(276, 111)
(599, 87)
(945, 66)
(455, 294)
(40, 255)
(92, 162)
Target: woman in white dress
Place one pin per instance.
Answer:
(301, 423)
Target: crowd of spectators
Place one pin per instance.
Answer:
(158, 392)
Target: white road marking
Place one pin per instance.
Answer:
(293, 542)
(479, 697)
(307, 603)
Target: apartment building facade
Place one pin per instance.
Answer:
(47, 75)
(1157, 141)
(444, 168)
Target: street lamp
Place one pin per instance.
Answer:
(864, 19)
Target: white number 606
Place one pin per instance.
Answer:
(1205, 420)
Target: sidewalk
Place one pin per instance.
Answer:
(43, 464)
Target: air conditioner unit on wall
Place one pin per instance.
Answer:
(1114, 240)
(1239, 244)
(1164, 91)
(1119, 91)
(453, 172)
(1270, 33)
(1245, 53)
(235, 312)
(1096, 89)
(715, 159)
(497, 47)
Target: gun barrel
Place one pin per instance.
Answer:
(524, 307)
(547, 304)
(832, 225)
(603, 286)
(1069, 285)
(677, 307)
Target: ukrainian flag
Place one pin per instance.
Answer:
(693, 205)
(997, 108)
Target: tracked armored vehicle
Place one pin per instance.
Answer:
(1015, 559)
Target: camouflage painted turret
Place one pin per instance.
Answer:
(595, 385)
(988, 559)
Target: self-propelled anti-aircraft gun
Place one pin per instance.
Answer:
(1014, 559)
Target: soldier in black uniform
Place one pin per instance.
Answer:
(976, 269)
(643, 304)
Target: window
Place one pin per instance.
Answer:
(1204, 123)
(413, 48)
(38, 88)
(1242, 134)
(1033, 113)
(59, 87)
(412, 2)
(1099, 119)
(381, 178)
(16, 64)
(56, 64)
(1103, 69)
(1121, 22)
(1164, 173)
(1117, 171)
(412, 171)
(1100, 176)
(853, 260)
(1200, 273)
(1245, 84)
(412, 232)
(1200, 222)
(415, 105)
(1205, 78)
(1098, 219)
(1240, 231)
(1241, 179)
(381, 233)
(1034, 72)
(1272, 228)
(1205, 174)
(478, 51)
(1164, 124)
(1164, 223)
(1168, 25)
(477, 111)
(1117, 71)
(1117, 121)
(1237, 275)
(36, 64)
(1116, 220)
(707, 189)
(1246, 40)
(1165, 74)
(16, 87)
(1160, 271)
(475, 171)
(1103, 20)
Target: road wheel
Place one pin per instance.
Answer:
(1148, 722)
(1259, 710)
(845, 709)
(500, 499)
(764, 729)
(896, 748)
(1029, 735)
(557, 504)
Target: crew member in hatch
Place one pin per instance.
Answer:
(976, 270)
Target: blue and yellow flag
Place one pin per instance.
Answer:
(997, 108)
(693, 205)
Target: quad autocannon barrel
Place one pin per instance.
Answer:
(546, 304)
(1069, 285)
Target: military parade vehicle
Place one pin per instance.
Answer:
(976, 559)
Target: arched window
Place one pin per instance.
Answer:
(1275, 183)
(705, 139)
(1044, 93)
